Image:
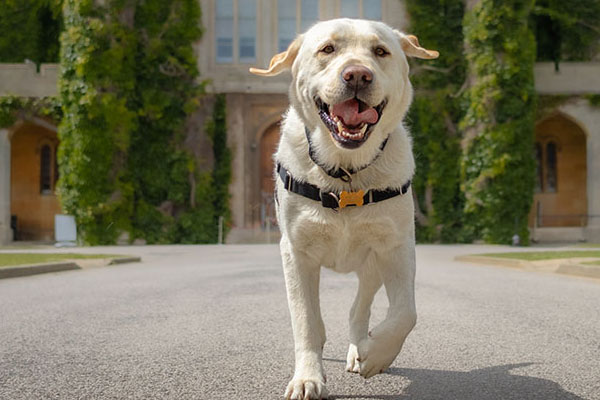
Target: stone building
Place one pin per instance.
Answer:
(244, 33)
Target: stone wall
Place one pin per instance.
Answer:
(24, 80)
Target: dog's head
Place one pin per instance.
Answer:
(353, 74)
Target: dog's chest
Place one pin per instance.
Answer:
(348, 240)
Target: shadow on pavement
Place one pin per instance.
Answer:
(491, 383)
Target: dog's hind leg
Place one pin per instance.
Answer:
(369, 283)
(302, 283)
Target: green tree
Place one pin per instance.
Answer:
(30, 30)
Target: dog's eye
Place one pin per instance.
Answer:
(381, 52)
(328, 49)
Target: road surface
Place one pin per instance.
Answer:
(211, 322)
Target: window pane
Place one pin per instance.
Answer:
(247, 29)
(224, 31)
(372, 9)
(349, 8)
(310, 14)
(539, 178)
(286, 23)
(45, 184)
(551, 167)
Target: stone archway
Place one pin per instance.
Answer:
(33, 176)
(268, 145)
(560, 198)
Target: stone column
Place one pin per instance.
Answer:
(5, 231)
(588, 118)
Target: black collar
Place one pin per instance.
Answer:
(340, 173)
(336, 200)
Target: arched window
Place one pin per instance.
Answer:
(539, 177)
(45, 170)
(551, 167)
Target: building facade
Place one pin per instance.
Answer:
(244, 33)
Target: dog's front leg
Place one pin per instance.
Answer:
(302, 284)
(384, 342)
(369, 283)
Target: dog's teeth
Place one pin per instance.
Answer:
(340, 126)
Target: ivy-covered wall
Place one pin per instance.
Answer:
(128, 84)
(434, 118)
(473, 131)
(498, 166)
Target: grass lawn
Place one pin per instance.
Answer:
(588, 245)
(546, 255)
(11, 259)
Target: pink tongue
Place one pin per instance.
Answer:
(348, 112)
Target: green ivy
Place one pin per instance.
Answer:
(168, 185)
(593, 99)
(498, 165)
(96, 87)
(434, 116)
(129, 81)
(13, 108)
(217, 132)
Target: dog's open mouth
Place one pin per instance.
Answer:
(350, 122)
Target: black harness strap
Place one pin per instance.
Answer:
(330, 199)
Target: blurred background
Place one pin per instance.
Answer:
(139, 118)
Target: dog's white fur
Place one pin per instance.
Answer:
(375, 241)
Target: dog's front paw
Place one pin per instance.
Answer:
(352, 360)
(376, 355)
(309, 388)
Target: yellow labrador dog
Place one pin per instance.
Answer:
(344, 167)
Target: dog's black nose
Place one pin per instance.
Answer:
(357, 76)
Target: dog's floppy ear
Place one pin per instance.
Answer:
(412, 48)
(282, 61)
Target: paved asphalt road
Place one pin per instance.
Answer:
(209, 322)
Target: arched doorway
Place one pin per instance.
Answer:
(268, 146)
(560, 198)
(33, 177)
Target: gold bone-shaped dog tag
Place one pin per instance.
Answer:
(351, 198)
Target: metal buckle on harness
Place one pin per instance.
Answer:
(325, 196)
(347, 177)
